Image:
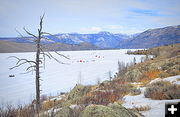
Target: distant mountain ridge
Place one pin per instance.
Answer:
(154, 37)
(9, 47)
(106, 40)
(101, 39)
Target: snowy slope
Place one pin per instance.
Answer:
(157, 106)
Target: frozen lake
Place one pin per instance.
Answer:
(89, 65)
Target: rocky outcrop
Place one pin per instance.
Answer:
(112, 110)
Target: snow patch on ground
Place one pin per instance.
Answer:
(60, 97)
(157, 106)
(172, 79)
(52, 111)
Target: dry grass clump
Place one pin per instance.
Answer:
(162, 90)
(50, 104)
(102, 97)
(148, 76)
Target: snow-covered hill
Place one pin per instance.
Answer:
(157, 107)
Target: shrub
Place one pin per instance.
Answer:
(122, 68)
(135, 91)
(162, 90)
(133, 75)
(139, 52)
(78, 91)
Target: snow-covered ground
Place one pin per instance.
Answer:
(157, 106)
(87, 65)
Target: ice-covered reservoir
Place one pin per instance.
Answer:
(87, 65)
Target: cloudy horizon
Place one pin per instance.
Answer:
(87, 16)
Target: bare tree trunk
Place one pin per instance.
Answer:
(37, 69)
(37, 79)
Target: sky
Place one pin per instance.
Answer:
(87, 16)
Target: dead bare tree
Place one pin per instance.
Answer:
(34, 65)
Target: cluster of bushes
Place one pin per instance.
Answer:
(162, 90)
(103, 94)
(153, 51)
(139, 52)
(139, 72)
(103, 97)
(48, 104)
(171, 67)
(122, 68)
(112, 91)
(20, 111)
(149, 70)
